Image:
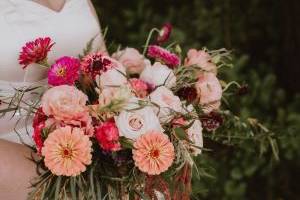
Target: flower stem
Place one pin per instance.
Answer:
(149, 38)
(44, 63)
(230, 84)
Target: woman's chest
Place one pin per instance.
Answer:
(70, 29)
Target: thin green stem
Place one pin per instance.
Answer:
(230, 84)
(149, 38)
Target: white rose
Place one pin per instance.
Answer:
(195, 135)
(168, 103)
(113, 77)
(159, 75)
(134, 122)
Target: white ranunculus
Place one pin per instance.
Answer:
(165, 103)
(159, 75)
(112, 77)
(135, 122)
(195, 135)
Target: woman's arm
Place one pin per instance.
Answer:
(16, 170)
(102, 42)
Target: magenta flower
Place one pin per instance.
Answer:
(107, 135)
(65, 71)
(164, 33)
(96, 63)
(35, 51)
(161, 54)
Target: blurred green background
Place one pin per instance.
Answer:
(265, 38)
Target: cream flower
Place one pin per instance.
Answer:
(195, 135)
(135, 122)
(132, 60)
(168, 103)
(116, 97)
(159, 75)
(113, 77)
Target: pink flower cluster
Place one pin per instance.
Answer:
(125, 98)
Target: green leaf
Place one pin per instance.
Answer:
(8, 110)
(125, 143)
(181, 134)
(92, 183)
(73, 188)
(57, 188)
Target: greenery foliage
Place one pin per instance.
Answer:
(251, 30)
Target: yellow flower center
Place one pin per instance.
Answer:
(66, 153)
(61, 72)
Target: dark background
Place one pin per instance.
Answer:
(265, 38)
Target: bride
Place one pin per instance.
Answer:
(71, 24)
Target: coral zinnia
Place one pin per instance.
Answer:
(96, 63)
(65, 71)
(67, 151)
(153, 153)
(161, 54)
(35, 51)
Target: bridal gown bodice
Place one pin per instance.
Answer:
(21, 21)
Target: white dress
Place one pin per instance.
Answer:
(24, 20)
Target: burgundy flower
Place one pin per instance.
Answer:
(161, 54)
(65, 71)
(37, 137)
(243, 90)
(95, 64)
(187, 93)
(211, 121)
(35, 51)
(39, 117)
(38, 125)
(164, 33)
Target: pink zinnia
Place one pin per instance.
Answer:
(96, 63)
(164, 33)
(140, 88)
(107, 135)
(153, 153)
(35, 51)
(161, 54)
(65, 71)
(67, 151)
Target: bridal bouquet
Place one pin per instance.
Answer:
(127, 125)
